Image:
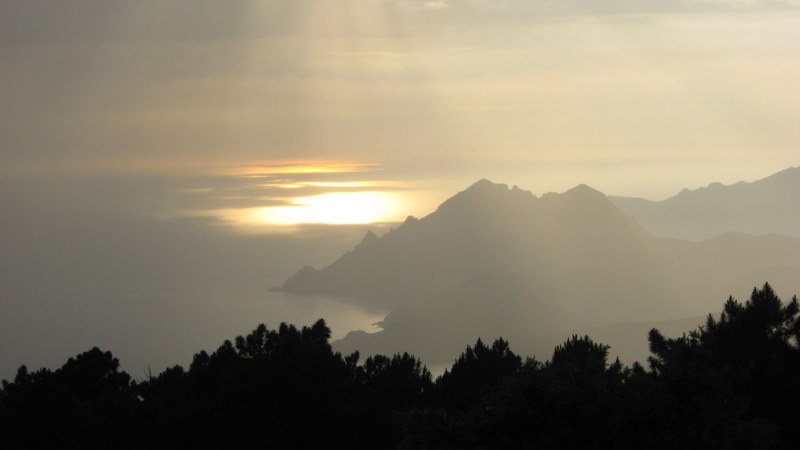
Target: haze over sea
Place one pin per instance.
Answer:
(155, 325)
(164, 163)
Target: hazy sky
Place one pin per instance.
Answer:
(632, 96)
(133, 132)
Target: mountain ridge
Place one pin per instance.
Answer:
(767, 205)
(459, 232)
(498, 261)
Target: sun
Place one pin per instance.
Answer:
(333, 208)
(283, 195)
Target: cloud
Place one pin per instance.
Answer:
(31, 21)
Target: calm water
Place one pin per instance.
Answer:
(79, 268)
(151, 328)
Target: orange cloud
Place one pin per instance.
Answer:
(296, 167)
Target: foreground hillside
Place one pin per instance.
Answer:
(729, 384)
(493, 260)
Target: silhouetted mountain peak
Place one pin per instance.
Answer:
(300, 278)
(788, 172)
(484, 188)
(586, 203)
(585, 192)
(485, 195)
(484, 184)
(714, 188)
(786, 177)
(369, 238)
(768, 205)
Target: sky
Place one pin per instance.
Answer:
(158, 143)
(635, 97)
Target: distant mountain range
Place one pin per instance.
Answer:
(493, 261)
(769, 205)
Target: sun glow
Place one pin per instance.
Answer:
(294, 167)
(333, 208)
(331, 184)
(288, 194)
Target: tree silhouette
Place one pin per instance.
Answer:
(732, 383)
(580, 355)
(735, 377)
(87, 401)
(288, 383)
(477, 369)
(388, 389)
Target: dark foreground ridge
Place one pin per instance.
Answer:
(732, 383)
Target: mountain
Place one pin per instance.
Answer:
(769, 205)
(488, 228)
(493, 261)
